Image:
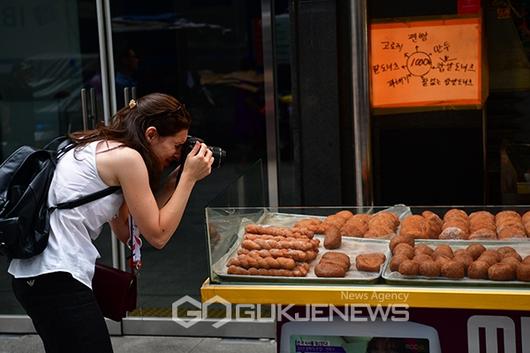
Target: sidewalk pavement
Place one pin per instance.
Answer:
(147, 344)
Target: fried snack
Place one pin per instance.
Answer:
(526, 260)
(478, 270)
(464, 258)
(314, 225)
(423, 249)
(455, 213)
(456, 225)
(443, 249)
(511, 231)
(512, 261)
(247, 261)
(453, 269)
(483, 234)
(299, 271)
(441, 259)
(493, 253)
(429, 269)
(419, 258)
(475, 250)
(415, 226)
(332, 238)
(501, 272)
(489, 259)
(434, 222)
(507, 251)
(400, 239)
(370, 262)
(523, 272)
(344, 214)
(335, 220)
(326, 269)
(396, 261)
(481, 220)
(526, 217)
(409, 268)
(404, 249)
(260, 244)
(382, 224)
(453, 233)
(481, 215)
(355, 226)
(337, 255)
(503, 216)
(297, 255)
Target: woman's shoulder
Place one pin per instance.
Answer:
(117, 151)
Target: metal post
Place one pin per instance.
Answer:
(361, 103)
(84, 108)
(269, 70)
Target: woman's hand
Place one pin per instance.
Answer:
(198, 162)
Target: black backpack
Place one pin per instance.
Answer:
(25, 178)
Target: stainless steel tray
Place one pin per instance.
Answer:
(351, 246)
(394, 277)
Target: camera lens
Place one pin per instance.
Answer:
(218, 153)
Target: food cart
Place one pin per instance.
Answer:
(385, 311)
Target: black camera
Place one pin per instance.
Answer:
(218, 153)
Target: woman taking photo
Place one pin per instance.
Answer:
(143, 139)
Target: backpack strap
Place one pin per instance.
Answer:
(86, 199)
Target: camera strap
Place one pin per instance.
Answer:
(135, 242)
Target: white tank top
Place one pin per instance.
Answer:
(70, 248)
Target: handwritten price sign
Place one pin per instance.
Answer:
(426, 63)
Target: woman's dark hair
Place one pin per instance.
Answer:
(128, 126)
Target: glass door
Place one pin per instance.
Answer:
(51, 52)
(208, 54)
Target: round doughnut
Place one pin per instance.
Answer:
(489, 259)
(512, 261)
(429, 269)
(526, 260)
(460, 251)
(404, 249)
(396, 261)
(523, 272)
(419, 258)
(475, 250)
(398, 239)
(441, 259)
(514, 255)
(464, 258)
(453, 269)
(478, 270)
(423, 249)
(501, 272)
(409, 268)
(505, 250)
(444, 249)
(493, 253)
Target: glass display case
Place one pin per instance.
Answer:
(248, 245)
